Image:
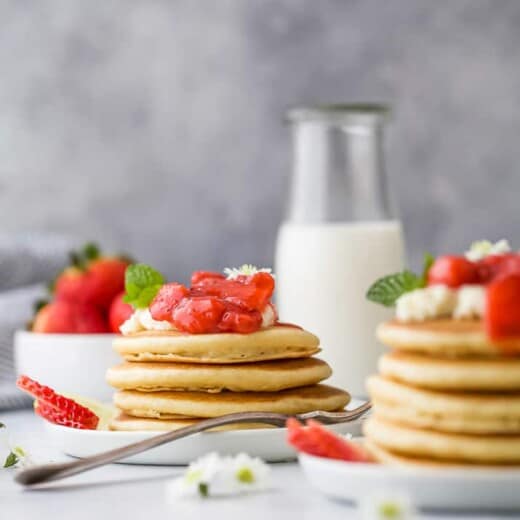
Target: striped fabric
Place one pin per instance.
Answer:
(27, 263)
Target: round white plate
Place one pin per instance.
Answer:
(269, 443)
(428, 488)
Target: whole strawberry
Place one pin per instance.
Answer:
(64, 316)
(119, 312)
(92, 278)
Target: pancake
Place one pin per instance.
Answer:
(444, 337)
(478, 375)
(384, 456)
(445, 411)
(278, 342)
(127, 423)
(164, 405)
(413, 442)
(267, 376)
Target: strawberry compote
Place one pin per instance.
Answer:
(215, 303)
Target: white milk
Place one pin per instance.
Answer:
(322, 274)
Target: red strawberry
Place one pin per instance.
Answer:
(108, 279)
(453, 271)
(198, 315)
(119, 312)
(67, 317)
(166, 300)
(56, 408)
(502, 316)
(317, 440)
(92, 278)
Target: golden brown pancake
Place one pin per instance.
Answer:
(202, 404)
(384, 456)
(445, 411)
(417, 443)
(444, 337)
(123, 422)
(171, 346)
(474, 374)
(266, 376)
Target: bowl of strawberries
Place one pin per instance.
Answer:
(69, 341)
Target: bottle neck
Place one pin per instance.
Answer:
(338, 173)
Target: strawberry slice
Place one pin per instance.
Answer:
(57, 408)
(165, 301)
(502, 316)
(453, 271)
(317, 440)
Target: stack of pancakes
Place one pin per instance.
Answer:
(444, 395)
(171, 379)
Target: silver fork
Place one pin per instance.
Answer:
(49, 472)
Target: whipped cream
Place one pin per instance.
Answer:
(438, 301)
(141, 320)
(427, 303)
(471, 300)
(482, 248)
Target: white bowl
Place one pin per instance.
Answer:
(68, 363)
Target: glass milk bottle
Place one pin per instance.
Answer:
(339, 236)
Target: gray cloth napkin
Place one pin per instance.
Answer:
(27, 263)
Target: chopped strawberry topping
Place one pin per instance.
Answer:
(214, 303)
(453, 271)
(502, 317)
(199, 277)
(316, 440)
(238, 320)
(166, 300)
(198, 314)
(57, 408)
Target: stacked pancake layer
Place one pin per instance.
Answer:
(445, 395)
(170, 380)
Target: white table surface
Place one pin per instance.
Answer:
(137, 492)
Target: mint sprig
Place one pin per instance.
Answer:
(11, 460)
(142, 282)
(388, 289)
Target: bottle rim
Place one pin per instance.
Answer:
(341, 114)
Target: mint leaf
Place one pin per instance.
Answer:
(142, 283)
(11, 460)
(427, 263)
(2, 425)
(386, 290)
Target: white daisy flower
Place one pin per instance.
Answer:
(245, 270)
(482, 248)
(387, 506)
(11, 454)
(213, 475)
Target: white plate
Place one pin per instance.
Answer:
(428, 488)
(269, 443)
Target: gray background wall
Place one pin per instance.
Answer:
(155, 126)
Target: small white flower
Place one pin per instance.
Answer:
(220, 476)
(245, 270)
(387, 506)
(482, 248)
(10, 453)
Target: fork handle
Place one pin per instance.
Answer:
(49, 472)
